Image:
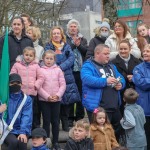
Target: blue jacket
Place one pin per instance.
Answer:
(141, 79)
(66, 61)
(93, 84)
(23, 123)
(42, 147)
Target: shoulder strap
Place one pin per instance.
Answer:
(18, 111)
(10, 127)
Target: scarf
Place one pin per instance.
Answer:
(58, 47)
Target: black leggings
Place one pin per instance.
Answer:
(13, 143)
(50, 113)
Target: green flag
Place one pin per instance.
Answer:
(4, 71)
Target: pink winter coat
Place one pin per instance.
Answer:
(30, 74)
(54, 83)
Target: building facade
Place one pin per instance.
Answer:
(133, 12)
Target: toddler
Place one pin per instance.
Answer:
(102, 132)
(79, 138)
(133, 122)
(39, 139)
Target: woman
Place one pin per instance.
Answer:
(141, 79)
(17, 40)
(101, 34)
(65, 60)
(125, 63)
(121, 32)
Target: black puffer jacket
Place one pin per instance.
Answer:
(93, 43)
(86, 144)
(72, 144)
(15, 46)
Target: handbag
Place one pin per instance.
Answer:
(4, 128)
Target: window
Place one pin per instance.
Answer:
(129, 8)
(133, 26)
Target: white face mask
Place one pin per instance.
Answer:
(104, 34)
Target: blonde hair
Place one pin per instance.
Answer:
(28, 48)
(49, 52)
(61, 31)
(142, 24)
(83, 124)
(147, 46)
(35, 31)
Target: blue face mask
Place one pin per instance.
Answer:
(104, 34)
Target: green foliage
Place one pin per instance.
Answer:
(110, 11)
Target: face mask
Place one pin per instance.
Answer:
(104, 34)
(14, 88)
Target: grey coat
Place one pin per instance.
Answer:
(133, 123)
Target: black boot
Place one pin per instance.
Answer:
(65, 124)
(56, 146)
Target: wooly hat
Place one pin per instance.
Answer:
(105, 24)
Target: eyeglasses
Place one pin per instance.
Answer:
(118, 27)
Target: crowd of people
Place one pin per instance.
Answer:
(66, 78)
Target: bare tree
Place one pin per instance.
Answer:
(42, 11)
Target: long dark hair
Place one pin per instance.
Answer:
(23, 30)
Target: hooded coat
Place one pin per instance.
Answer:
(72, 144)
(31, 75)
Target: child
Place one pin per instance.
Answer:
(133, 122)
(102, 132)
(143, 36)
(18, 136)
(29, 70)
(39, 139)
(35, 34)
(50, 94)
(79, 137)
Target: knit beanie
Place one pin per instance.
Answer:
(105, 24)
